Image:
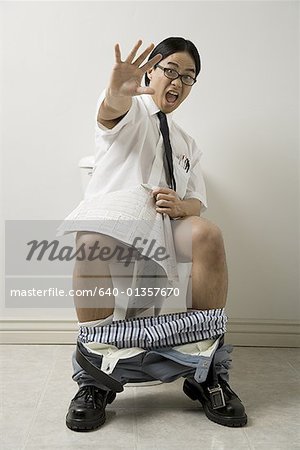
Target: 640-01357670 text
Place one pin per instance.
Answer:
(55, 292)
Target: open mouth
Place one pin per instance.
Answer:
(171, 97)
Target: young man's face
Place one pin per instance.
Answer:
(184, 64)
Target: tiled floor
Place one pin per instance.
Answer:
(36, 388)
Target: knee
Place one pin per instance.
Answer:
(206, 234)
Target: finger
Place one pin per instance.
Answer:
(143, 55)
(117, 53)
(163, 210)
(133, 51)
(165, 197)
(151, 63)
(162, 202)
(163, 190)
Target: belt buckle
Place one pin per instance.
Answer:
(217, 397)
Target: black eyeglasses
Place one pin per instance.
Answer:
(172, 74)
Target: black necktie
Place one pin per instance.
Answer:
(167, 158)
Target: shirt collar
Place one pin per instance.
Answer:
(151, 106)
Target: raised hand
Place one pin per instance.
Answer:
(127, 75)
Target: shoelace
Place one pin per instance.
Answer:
(89, 393)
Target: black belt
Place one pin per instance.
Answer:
(213, 386)
(102, 378)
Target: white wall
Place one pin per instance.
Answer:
(243, 112)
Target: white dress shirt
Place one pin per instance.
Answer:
(125, 153)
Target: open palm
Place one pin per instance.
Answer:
(127, 75)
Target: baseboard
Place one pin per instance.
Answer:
(263, 333)
(241, 332)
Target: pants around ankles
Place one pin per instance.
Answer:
(166, 365)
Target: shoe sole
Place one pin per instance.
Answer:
(79, 425)
(75, 425)
(228, 422)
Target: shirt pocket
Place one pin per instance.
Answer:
(181, 177)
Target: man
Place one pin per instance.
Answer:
(132, 123)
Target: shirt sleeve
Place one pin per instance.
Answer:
(104, 132)
(196, 184)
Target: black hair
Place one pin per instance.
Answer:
(172, 45)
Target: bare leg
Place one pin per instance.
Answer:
(209, 268)
(90, 275)
(206, 251)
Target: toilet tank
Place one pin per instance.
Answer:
(86, 166)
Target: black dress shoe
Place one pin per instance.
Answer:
(87, 408)
(220, 403)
